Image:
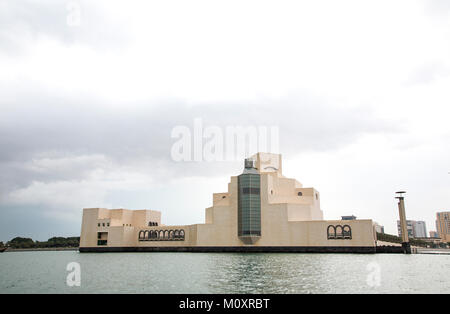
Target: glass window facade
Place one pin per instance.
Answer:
(249, 205)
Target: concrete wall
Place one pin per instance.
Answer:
(122, 228)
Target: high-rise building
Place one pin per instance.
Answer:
(443, 225)
(409, 227)
(420, 229)
(416, 229)
(378, 228)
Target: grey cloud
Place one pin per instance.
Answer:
(35, 127)
(23, 22)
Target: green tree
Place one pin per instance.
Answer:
(63, 242)
(55, 242)
(21, 243)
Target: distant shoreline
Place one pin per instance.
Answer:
(43, 249)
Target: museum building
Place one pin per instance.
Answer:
(262, 211)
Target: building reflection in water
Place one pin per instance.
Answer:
(267, 273)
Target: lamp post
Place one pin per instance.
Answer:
(401, 210)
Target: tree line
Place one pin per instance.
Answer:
(28, 243)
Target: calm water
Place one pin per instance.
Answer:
(45, 272)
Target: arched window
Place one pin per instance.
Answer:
(161, 235)
(347, 232)
(141, 234)
(176, 234)
(166, 235)
(145, 234)
(181, 234)
(171, 237)
(339, 232)
(299, 193)
(331, 232)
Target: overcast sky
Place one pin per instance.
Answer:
(360, 92)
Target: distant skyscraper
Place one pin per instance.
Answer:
(420, 229)
(378, 228)
(416, 229)
(409, 227)
(443, 225)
